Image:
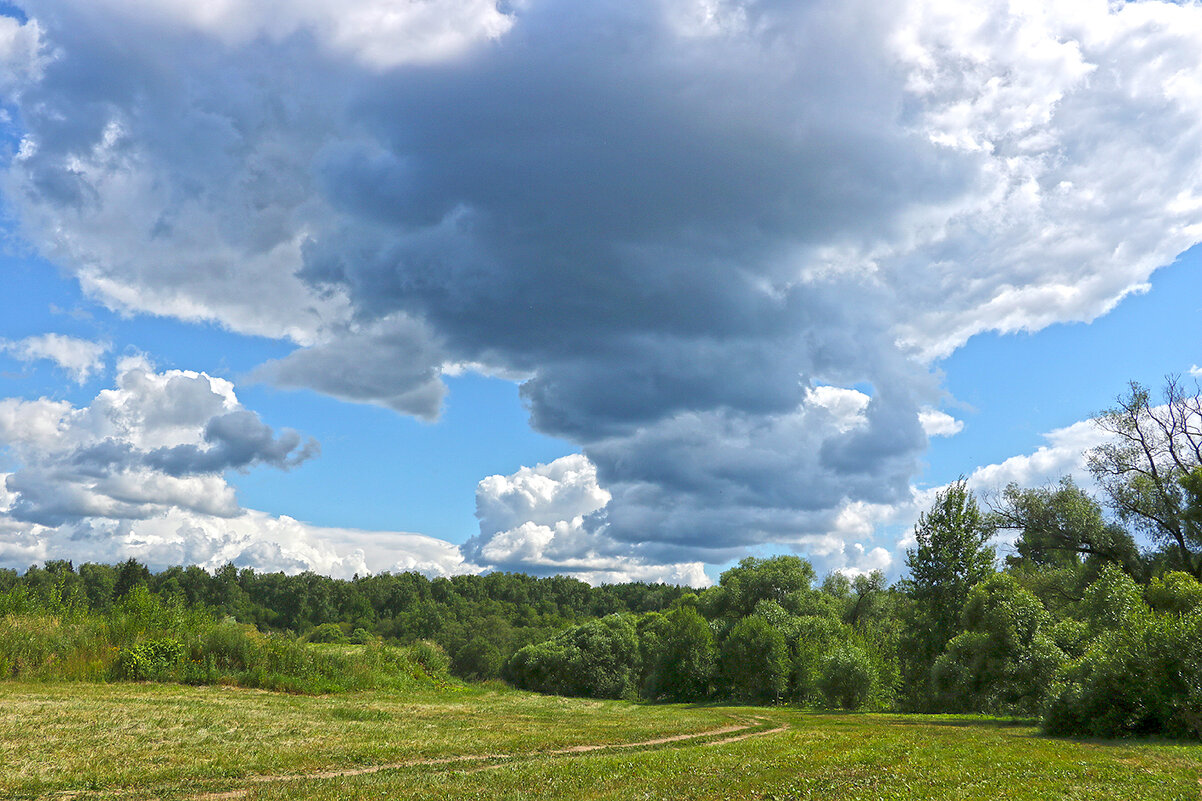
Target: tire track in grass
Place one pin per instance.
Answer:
(726, 734)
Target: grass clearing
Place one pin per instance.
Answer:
(173, 742)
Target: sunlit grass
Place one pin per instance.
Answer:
(171, 741)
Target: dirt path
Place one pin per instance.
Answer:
(726, 734)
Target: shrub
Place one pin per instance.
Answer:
(817, 637)
(478, 659)
(755, 661)
(1146, 679)
(1002, 662)
(599, 659)
(330, 633)
(848, 676)
(432, 659)
(150, 660)
(685, 661)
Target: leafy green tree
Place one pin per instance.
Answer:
(1062, 526)
(755, 661)
(1174, 593)
(598, 659)
(686, 660)
(1150, 467)
(129, 575)
(1113, 602)
(848, 676)
(1143, 679)
(817, 637)
(952, 554)
(1004, 660)
(784, 579)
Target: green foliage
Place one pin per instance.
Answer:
(1113, 602)
(1062, 527)
(686, 659)
(331, 633)
(951, 556)
(149, 660)
(1139, 680)
(598, 659)
(1175, 592)
(432, 659)
(755, 661)
(816, 639)
(1003, 661)
(141, 638)
(786, 580)
(848, 676)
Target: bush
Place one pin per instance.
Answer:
(329, 633)
(848, 676)
(817, 637)
(150, 660)
(685, 660)
(1143, 680)
(1003, 662)
(755, 661)
(432, 659)
(599, 659)
(478, 659)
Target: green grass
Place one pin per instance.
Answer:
(171, 741)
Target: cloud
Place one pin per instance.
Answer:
(379, 34)
(250, 539)
(537, 521)
(403, 373)
(1195, 371)
(683, 222)
(22, 53)
(138, 473)
(156, 442)
(1064, 455)
(939, 424)
(78, 357)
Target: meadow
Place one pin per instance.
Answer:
(169, 741)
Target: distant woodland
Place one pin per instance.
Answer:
(1091, 620)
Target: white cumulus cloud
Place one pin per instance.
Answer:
(939, 424)
(78, 357)
(536, 520)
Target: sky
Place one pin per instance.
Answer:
(623, 291)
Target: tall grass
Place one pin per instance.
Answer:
(53, 637)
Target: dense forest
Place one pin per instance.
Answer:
(1092, 621)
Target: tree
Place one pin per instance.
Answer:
(685, 660)
(597, 659)
(130, 574)
(952, 555)
(1149, 469)
(847, 677)
(1003, 661)
(755, 660)
(784, 579)
(1062, 526)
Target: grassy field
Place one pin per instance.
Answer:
(166, 741)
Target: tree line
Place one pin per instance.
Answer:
(1092, 621)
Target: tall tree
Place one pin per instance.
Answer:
(952, 554)
(1148, 468)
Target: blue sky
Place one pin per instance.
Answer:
(624, 294)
